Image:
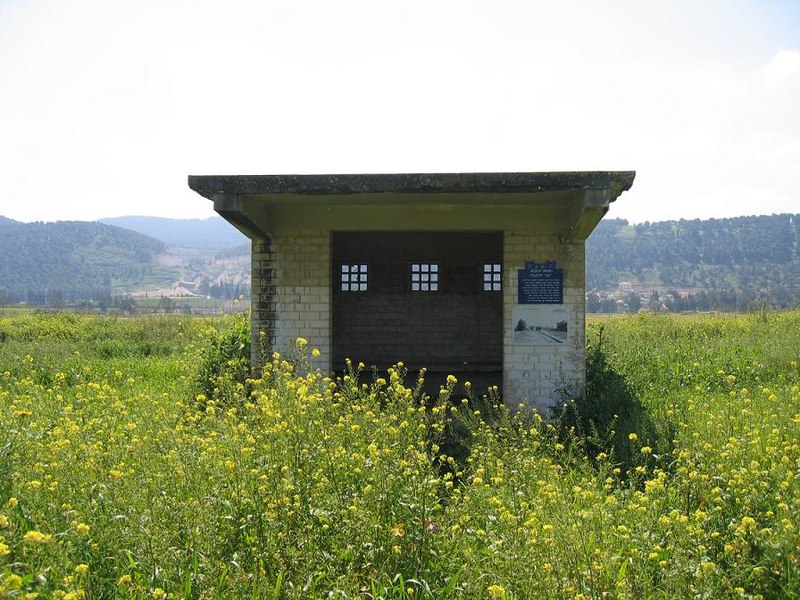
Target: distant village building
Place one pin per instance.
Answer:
(479, 275)
(179, 290)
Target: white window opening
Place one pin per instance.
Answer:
(354, 278)
(492, 277)
(425, 277)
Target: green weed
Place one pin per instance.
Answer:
(680, 478)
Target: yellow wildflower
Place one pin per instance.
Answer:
(37, 537)
(496, 591)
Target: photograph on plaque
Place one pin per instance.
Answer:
(540, 325)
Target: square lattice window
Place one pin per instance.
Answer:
(492, 277)
(425, 277)
(353, 278)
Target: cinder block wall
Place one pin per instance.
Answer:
(538, 375)
(292, 292)
(262, 303)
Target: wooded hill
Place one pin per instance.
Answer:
(69, 261)
(720, 264)
(735, 261)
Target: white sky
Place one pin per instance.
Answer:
(107, 105)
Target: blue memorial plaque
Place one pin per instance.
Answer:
(540, 283)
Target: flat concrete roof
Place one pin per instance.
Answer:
(581, 198)
(213, 186)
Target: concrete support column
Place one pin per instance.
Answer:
(263, 308)
(299, 263)
(540, 376)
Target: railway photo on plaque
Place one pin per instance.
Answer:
(540, 325)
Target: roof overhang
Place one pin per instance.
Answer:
(585, 195)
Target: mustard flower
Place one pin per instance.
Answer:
(37, 537)
(496, 591)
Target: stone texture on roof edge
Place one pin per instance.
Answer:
(421, 183)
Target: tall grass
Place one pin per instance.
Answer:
(134, 466)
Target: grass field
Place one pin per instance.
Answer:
(136, 462)
(12, 311)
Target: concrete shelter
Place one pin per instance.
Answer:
(479, 275)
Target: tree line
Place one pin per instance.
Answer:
(714, 264)
(70, 261)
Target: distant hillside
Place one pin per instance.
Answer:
(722, 264)
(749, 258)
(242, 250)
(73, 260)
(212, 234)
